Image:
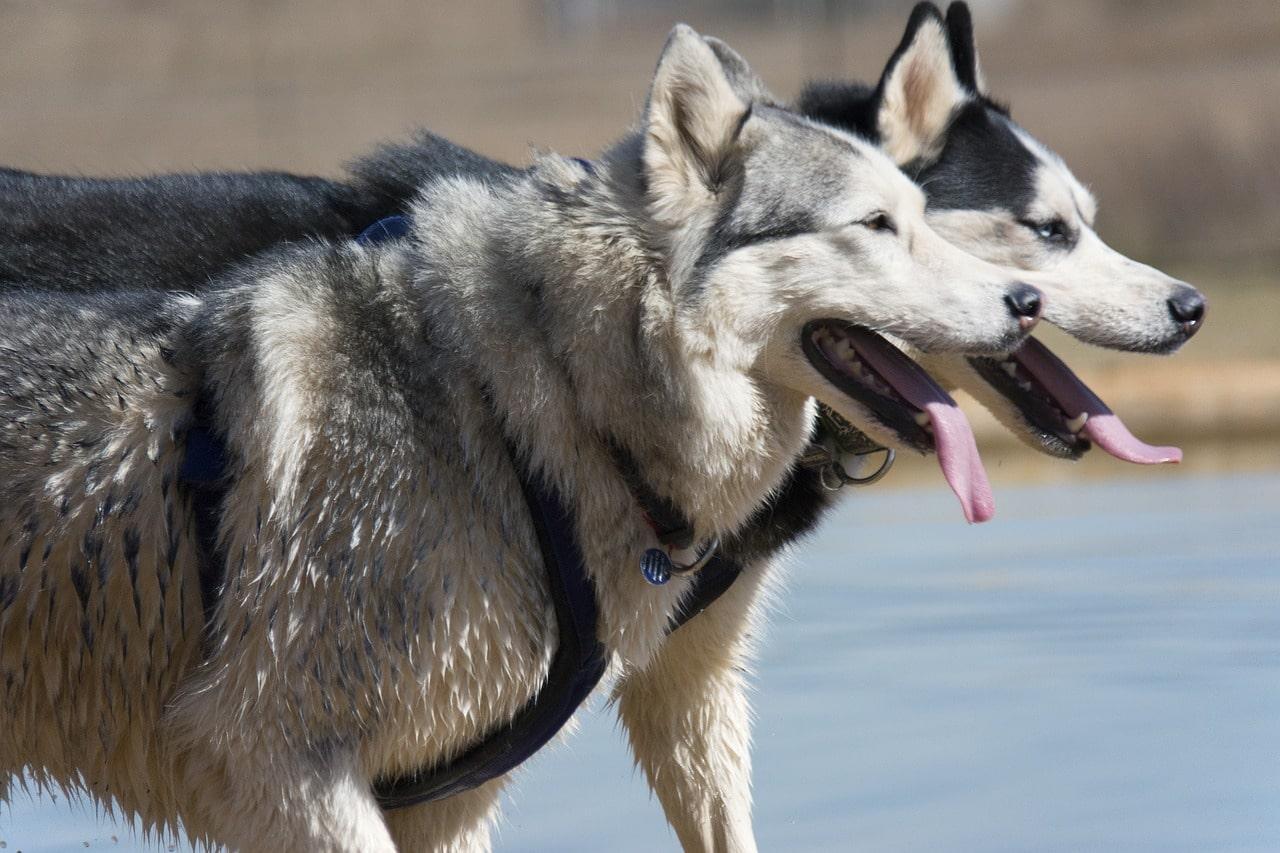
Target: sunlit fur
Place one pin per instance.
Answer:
(1093, 292)
(384, 603)
(989, 185)
(918, 95)
(925, 110)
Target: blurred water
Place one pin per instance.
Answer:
(1098, 669)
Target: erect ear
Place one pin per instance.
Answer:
(750, 88)
(919, 91)
(691, 126)
(964, 49)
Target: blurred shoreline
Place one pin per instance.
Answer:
(1167, 110)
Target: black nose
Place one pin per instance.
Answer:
(1187, 307)
(1024, 303)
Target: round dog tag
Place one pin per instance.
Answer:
(655, 565)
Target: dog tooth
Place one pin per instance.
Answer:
(922, 418)
(1077, 423)
(1009, 367)
(1024, 385)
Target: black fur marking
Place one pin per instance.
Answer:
(176, 232)
(135, 242)
(728, 235)
(792, 513)
(850, 106)
(983, 166)
(964, 50)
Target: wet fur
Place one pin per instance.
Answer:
(149, 254)
(384, 603)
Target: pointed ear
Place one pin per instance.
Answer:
(919, 91)
(691, 125)
(744, 81)
(964, 49)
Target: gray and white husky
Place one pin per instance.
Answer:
(384, 603)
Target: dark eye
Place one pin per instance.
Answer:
(879, 221)
(1052, 231)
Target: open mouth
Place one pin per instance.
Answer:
(904, 400)
(1068, 416)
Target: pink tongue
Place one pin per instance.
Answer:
(957, 450)
(1103, 428)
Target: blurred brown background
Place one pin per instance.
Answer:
(1169, 110)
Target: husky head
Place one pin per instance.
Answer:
(790, 244)
(996, 192)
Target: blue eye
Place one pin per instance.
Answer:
(1053, 231)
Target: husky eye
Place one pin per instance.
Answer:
(879, 221)
(1054, 231)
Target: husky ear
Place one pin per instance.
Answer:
(691, 124)
(744, 81)
(964, 49)
(920, 90)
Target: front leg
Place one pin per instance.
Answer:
(688, 720)
(274, 801)
(457, 824)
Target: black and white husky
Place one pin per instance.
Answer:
(998, 193)
(684, 299)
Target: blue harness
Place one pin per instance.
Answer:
(579, 661)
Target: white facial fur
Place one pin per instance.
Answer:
(769, 221)
(911, 284)
(1092, 291)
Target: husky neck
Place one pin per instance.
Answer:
(553, 288)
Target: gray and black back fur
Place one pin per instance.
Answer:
(175, 232)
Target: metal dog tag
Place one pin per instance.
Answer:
(655, 565)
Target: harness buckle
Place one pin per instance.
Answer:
(835, 477)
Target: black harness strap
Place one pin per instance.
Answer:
(712, 581)
(666, 519)
(576, 669)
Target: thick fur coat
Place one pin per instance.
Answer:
(364, 393)
(384, 603)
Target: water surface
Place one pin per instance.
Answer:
(1097, 669)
